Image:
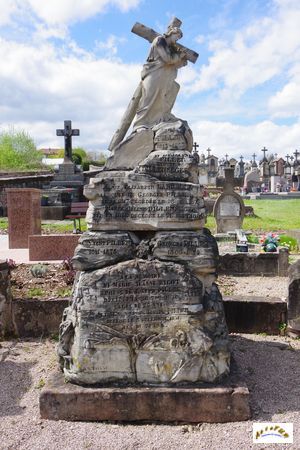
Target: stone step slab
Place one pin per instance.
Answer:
(66, 401)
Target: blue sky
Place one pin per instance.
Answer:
(78, 60)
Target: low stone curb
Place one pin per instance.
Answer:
(66, 401)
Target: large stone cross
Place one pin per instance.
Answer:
(67, 132)
(229, 182)
(150, 35)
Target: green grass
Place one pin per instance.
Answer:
(3, 223)
(271, 215)
(63, 226)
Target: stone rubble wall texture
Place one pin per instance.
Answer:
(6, 323)
(145, 308)
(294, 299)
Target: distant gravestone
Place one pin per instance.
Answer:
(24, 215)
(67, 132)
(68, 176)
(229, 209)
(252, 181)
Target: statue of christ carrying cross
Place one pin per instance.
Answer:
(155, 96)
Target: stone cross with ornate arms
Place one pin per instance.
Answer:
(67, 132)
(229, 182)
(149, 35)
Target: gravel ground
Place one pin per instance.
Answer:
(271, 370)
(253, 286)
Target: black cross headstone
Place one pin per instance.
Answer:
(287, 158)
(195, 145)
(296, 153)
(253, 162)
(67, 132)
(208, 152)
(241, 167)
(264, 150)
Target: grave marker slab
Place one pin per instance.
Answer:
(229, 209)
(24, 215)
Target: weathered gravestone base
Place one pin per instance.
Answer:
(191, 404)
(148, 313)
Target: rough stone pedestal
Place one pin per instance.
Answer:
(146, 310)
(6, 326)
(24, 215)
(61, 401)
(294, 300)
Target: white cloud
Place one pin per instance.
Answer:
(256, 53)
(58, 13)
(236, 140)
(7, 9)
(70, 11)
(110, 46)
(200, 39)
(46, 86)
(286, 102)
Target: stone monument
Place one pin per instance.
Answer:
(229, 209)
(146, 310)
(68, 175)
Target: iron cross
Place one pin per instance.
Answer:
(264, 150)
(195, 146)
(67, 132)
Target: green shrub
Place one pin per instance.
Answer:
(18, 151)
(35, 292)
(288, 241)
(253, 239)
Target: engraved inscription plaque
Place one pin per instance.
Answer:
(171, 166)
(137, 202)
(139, 321)
(96, 250)
(229, 206)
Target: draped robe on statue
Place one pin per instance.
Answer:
(159, 88)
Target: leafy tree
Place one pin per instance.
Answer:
(18, 151)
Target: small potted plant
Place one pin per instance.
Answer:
(270, 242)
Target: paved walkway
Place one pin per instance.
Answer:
(19, 255)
